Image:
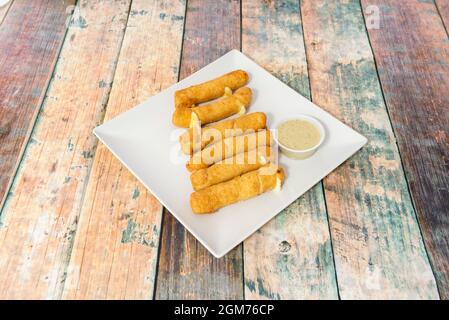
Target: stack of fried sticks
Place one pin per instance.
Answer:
(231, 160)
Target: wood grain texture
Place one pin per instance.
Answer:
(291, 256)
(30, 37)
(378, 249)
(116, 247)
(186, 268)
(413, 64)
(41, 213)
(4, 10)
(443, 10)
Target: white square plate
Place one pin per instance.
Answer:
(146, 142)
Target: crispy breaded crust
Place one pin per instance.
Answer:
(240, 188)
(252, 121)
(210, 90)
(230, 168)
(228, 147)
(214, 111)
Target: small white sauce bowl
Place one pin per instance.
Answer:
(301, 154)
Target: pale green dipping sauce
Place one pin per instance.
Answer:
(299, 134)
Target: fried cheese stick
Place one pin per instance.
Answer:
(214, 133)
(210, 90)
(214, 111)
(243, 187)
(227, 148)
(230, 168)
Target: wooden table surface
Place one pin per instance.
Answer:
(75, 224)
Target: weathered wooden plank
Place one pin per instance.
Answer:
(443, 9)
(30, 37)
(41, 213)
(291, 256)
(186, 268)
(413, 64)
(116, 248)
(4, 10)
(376, 239)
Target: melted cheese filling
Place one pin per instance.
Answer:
(227, 92)
(278, 186)
(194, 120)
(242, 110)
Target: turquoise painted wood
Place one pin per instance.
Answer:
(378, 248)
(291, 256)
(119, 259)
(40, 216)
(413, 66)
(28, 53)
